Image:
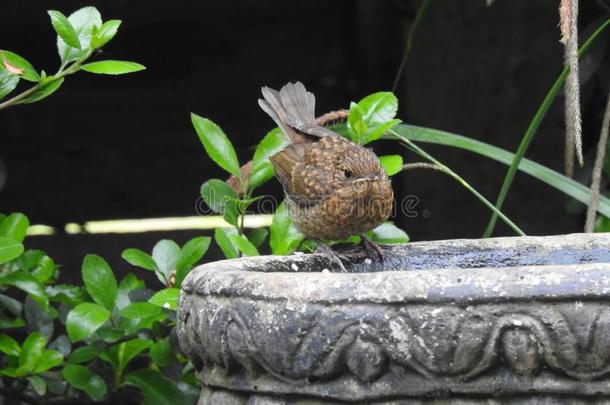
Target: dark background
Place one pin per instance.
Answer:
(123, 147)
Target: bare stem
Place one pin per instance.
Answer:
(421, 165)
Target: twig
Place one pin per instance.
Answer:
(568, 21)
(597, 170)
(421, 165)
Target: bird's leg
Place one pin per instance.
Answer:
(371, 247)
(333, 257)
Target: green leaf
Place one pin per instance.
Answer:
(138, 258)
(8, 81)
(83, 22)
(191, 253)
(261, 170)
(44, 270)
(166, 254)
(392, 164)
(9, 249)
(112, 67)
(26, 283)
(157, 390)
(216, 144)
(43, 92)
(355, 123)
(139, 310)
(85, 319)
(217, 194)
(110, 335)
(99, 281)
(83, 379)
(48, 360)
(86, 353)
(31, 352)
(28, 71)
(15, 226)
(284, 236)
(166, 298)
(376, 132)
(38, 384)
(378, 108)
(257, 236)
(222, 237)
(68, 294)
(244, 245)
(120, 355)
(64, 29)
(9, 346)
(389, 233)
(556, 180)
(127, 285)
(105, 33)
(161, 353)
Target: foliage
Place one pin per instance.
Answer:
(78, 37)
(92, 342)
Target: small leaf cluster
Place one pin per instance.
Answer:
(97, 341)
(368, 120)
(78, 36)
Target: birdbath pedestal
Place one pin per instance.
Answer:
(522, 320)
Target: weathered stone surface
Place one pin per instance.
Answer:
(447, 322)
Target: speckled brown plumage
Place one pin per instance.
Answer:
(334, 187)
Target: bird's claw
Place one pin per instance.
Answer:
(333, 257)
(371, 247)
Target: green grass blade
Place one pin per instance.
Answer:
(533, 127)
(542, 173)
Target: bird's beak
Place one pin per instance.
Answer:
(373, 177)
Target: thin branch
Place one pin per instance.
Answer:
(597, 170)
(568, 21)
(422, 165)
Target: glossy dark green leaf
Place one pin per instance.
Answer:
(105, 33)
(217, 145)
(257, 236)
(389, 233)
(166, 298)
(48, 360)
(26, 283)
(138, 258)
(15, 226)
(139, 310)
(38, 384)
(284, 236)
(244, 245)
(216, 194)
(62, 344)
(39, 317)
(110, 334)
(112, 67)
(99, 281)
(9, 250)
(8, 82)
(31, 352)
(222, 237)
(9, 346)
(83, 22)
(85, 319)
(120, 355)
(85, 354)
(161, 353)
(69, 294)
(27, 70)
(392, 164)
(156, 389)
(64, 29)
(127, 285)
(166, 254)
(84, 379)
(43, 92)
(191, 253)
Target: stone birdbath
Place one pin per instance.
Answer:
(522, 320)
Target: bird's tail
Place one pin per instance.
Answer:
(291, 107)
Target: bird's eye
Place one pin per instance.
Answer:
(348, 174)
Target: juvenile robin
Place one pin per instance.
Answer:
(334, 188)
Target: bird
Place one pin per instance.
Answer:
(334, 188)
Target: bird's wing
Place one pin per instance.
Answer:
(285, 162)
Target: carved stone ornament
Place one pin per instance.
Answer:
(506, 320)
